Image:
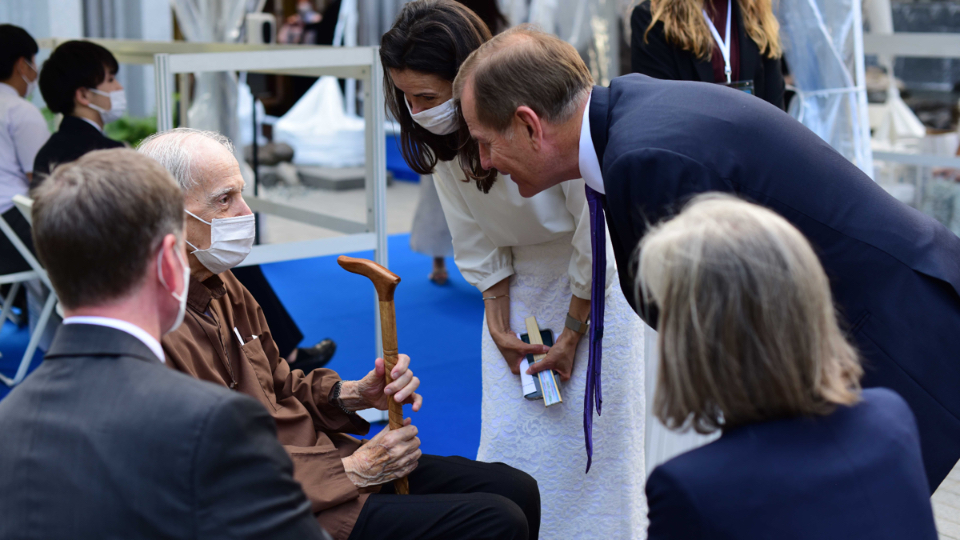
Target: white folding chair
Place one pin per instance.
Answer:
(25, 204)
(14, 280)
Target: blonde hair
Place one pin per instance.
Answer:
(747, 325)
(684, 26)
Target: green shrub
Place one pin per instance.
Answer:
(127, 129)
(131, 130)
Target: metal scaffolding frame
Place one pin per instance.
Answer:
(917, 45)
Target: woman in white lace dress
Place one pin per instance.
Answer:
(526, 257)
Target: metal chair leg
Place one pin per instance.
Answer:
(34, 342)
(7, 312)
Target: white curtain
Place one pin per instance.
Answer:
(214, 104)
(823, 44)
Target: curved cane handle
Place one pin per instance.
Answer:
(384, 281)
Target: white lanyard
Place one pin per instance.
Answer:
(723, 44)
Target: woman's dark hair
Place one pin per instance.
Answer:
(15, 43)
(489, 13)
(433, 36)
(74, 65)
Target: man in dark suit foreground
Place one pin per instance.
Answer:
(645, 146)
(102, 440)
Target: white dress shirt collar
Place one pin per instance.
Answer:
(589, 164)
(92, 123)
(123, 326)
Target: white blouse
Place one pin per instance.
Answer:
(485, 226)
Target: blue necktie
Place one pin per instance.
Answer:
(598, 243)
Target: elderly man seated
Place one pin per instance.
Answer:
(224, 339)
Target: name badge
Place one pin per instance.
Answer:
(743, 86)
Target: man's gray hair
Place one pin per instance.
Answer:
(172, 150)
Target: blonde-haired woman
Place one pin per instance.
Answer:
(688, 40)
(749, 346)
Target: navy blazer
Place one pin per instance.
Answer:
(856, 473)
(103, 441)
(894, 272)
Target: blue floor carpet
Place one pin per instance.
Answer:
(439, 327)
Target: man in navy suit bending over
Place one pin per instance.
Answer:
(646, 146)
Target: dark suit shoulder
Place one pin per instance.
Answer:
(858, 469)
(243, 478)
(641, 17)
(673, 511)
(880, 414)
(73, 139)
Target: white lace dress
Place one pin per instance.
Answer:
(542, 245)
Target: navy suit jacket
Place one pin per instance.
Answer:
(856, 473)
(894, 272)
(103, 441)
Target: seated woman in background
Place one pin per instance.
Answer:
(749, 345)
(687, 40)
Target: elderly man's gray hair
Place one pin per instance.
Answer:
(172, 150)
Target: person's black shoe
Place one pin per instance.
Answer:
(311, 358)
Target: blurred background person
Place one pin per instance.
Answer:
(79, 81)
(688, 40)
(526, 257)
(23, 131)
(430, 234)
(750, 346)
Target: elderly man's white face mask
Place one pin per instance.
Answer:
(231, 240)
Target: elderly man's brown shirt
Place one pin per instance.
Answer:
(309, 425)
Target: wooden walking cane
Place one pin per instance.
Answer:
(385, 282)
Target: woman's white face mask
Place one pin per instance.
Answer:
(439, 120)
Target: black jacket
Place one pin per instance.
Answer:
(662, 60)
(894, 272)
(75, 138)
(103, 441)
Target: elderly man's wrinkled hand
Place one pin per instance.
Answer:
(375, 392)
(386, 457)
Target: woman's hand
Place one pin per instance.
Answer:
(497, 306)
(560, 357)
(513, 349)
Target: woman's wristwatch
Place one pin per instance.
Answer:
(576, 325)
